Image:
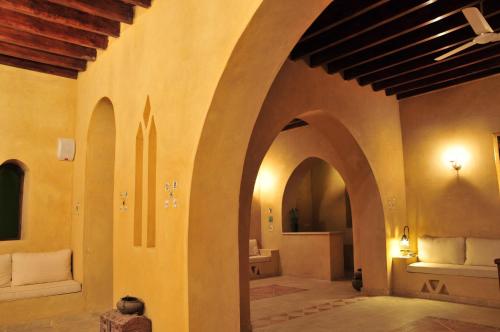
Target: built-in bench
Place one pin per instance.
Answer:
(32, 275)
(263, 262)
(452, 269)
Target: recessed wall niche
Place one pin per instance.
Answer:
(139, 155)
(145, 179)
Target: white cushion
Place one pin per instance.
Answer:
(39, 290)
(5, 270)
(445, 250)
(253, 248)
(482, 251)
(35, 268)
(454, 270)
(260, 259)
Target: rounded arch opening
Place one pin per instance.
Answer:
(315, 198)
(232, 146)
(98, 212)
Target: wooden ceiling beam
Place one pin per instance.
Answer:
(111, 9)
(490, 51)
(445, 41)
(414, 65)
(452, 82)
(421, 25)
(141, 3)
(41, 27)
(446, 76)
(339, 12)
(36, 66)
(436, 46)
(360, 25)
(26, 39)
(63, 15)
(42, 57)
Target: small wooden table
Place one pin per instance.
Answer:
(114, 321)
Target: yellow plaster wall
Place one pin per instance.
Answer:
(440, 203)
(371, 118)
(174, 53)
(35, 110)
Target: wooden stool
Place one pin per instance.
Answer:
(114, 321)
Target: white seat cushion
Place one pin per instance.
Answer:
(46, 289)
(37, 268)
(260, 259)
(444, 250)
(454, 270)
(482, 251)
(253, 248)
(5, 270)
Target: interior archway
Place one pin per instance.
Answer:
(99, 191)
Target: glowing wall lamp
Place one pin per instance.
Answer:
(266, 180)
(404, 244)
(456, 157)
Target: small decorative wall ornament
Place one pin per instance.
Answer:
(270, 220)
(170, 190)
(123, 199)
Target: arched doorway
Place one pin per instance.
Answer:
(228, 158)
(99, 190)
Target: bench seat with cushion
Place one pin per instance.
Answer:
(263, 262)
(32, 275)
(453, 269)
(39, 290)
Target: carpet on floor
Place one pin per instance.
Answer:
(264, 292)
(437, 324)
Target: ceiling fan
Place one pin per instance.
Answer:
(485, 33)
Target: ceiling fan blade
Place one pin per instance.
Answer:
(455, 51)
(476, 20)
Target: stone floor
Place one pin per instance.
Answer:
(322, 306)
(331, 307)
(86, 322)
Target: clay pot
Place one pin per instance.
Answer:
(130, 305)
(357, 280)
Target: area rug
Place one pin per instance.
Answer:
(259, 293)
(304, 312)
(436, 324)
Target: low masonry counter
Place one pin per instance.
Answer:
(316, 255)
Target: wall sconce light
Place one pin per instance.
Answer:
(456, 157)
(456, 164)
(404, 244)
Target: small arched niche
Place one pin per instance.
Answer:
(99, 193)
(315, 199)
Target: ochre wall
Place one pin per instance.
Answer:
(373, 121)
(35, 110)
(174, 53)
(440, 203)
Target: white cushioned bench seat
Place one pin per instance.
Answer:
(260, 259)
(454, 269)
(38, 290)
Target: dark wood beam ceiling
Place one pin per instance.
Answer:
(59, 36)
(392, 44)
